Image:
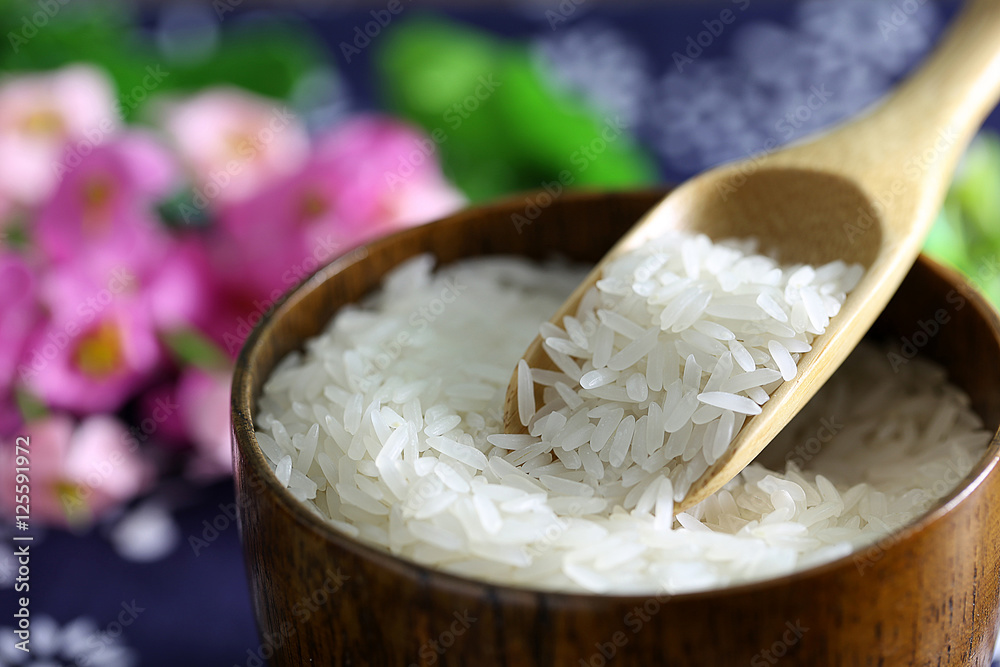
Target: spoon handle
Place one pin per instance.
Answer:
(894, 166)
(906, 149)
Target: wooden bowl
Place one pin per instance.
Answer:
(927, 595)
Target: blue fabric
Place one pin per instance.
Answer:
(188, 609)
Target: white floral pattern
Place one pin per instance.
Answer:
(718, 109)
(78, 643)
(722, 109)
(598, 63)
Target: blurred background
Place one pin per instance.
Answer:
(168, 171)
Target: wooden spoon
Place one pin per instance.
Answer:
(866, 192)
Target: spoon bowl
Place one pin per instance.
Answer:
(786, 226)
(865, 193)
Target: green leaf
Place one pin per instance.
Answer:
(268, 59)
(181, 211)
(30, 407)
(15, 234)
(501, 125)
(191, 347)
(101, 34)
(977, 187)
(945, 242)
(428, 73)
(967, 234)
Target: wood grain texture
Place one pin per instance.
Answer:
(925, 596)
(865, 192)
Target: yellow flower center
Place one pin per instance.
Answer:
(99, 353)
(44, 122)
(313, 205)
(240, 146)
(71, 498)
(96, 197)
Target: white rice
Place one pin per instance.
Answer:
(403, 460)
(664, 329)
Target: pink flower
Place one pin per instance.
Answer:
(177, 286)
(168, 282)
(106, 312)
(8, 213)
(18, 313)
(10, 415)
(48, 120)
(78, 471)
(390, 172)
(234, 142)
(92, 365)
(341, 198)
(160, 418)
(237, 309)
(273, 240)
(204, 407)
(107, 202)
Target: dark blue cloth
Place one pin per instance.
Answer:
(186, 609)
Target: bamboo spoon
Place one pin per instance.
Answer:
(864, 193)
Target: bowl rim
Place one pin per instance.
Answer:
(242, 408)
